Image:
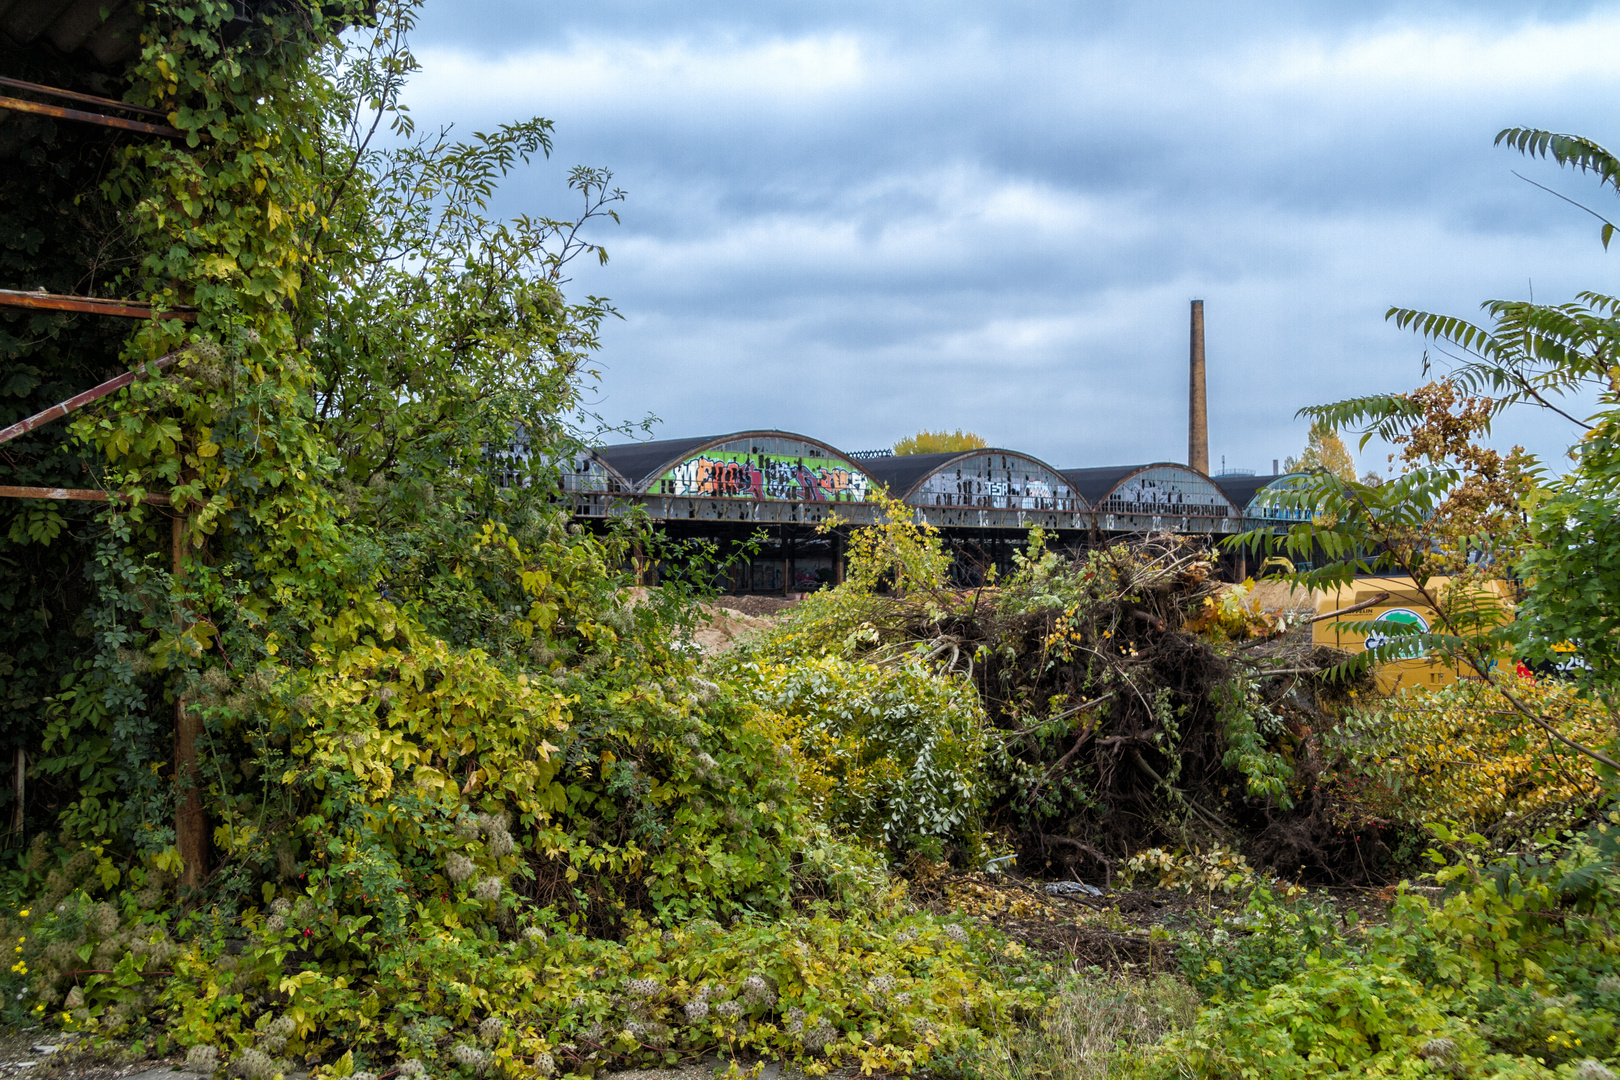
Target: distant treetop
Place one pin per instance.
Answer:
(938, 442)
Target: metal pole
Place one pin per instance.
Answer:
(19, 105)
(22, 772)
(190, 820)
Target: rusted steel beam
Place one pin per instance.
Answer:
(77, 495)
(19, 105)
(95, 393)
(90, 305)
(88, 99)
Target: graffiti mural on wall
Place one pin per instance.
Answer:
(1162, 491)
(997, 481)
(718, 474)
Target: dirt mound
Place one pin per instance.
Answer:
(725, 628)
(755, 606)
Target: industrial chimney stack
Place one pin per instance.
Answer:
(1197, 406)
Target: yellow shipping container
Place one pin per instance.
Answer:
(1404, 603)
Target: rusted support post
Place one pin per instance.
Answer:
(190, 820)
(20, 791)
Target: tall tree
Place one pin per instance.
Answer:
(1324, 449)
(938, 442)
(1461, 512)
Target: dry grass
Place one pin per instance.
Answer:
(1098, 1028)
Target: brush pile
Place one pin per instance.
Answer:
(1131, 700)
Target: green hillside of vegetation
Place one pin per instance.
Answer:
(356, 757)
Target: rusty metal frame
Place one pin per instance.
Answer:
(95, 393)
(87, 99)
(90, 305)
(57, 111)
(79, 495)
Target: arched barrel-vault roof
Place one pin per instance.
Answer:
(987, 478)
(742, 464)
(1250, 493)
(1138, 497)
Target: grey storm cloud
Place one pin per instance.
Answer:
(856, 221)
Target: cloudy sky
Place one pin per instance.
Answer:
(855, 220)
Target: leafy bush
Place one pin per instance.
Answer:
(891, 753)
(1268, 943)
(1511, 973)
(1214, 870)
(1095, 1027)
(1463, 753)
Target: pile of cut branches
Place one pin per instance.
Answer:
(1134, 702)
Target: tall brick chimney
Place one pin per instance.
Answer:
(1197, 406)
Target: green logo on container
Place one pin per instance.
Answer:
(1406, 617)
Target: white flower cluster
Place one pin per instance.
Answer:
(274, 1035)
(1438, 1050)
(469, 1056)
(467, 827)
(488, 889)
(544, 1064)
(691, 739)
(905, 937)
(492, 1028)
(728, 1010)
(281, 905)
(902, 999)
(103, 920)
(704, 765)
(275, 924)
(795, 1020)
(1592, 1069)
(254, 1065)
(202, 1058)
(696, 1011)
(496, 829)
(756, 991)
(816, 1039)
(956, 934)
(881, 986)
(642, 988)
(1609, 984)
(412, 1068)
(535, 935)
(362, 1074)
(458, 867)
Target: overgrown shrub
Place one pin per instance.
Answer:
(1511, 973)
(893, 754)
(1463, 754)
